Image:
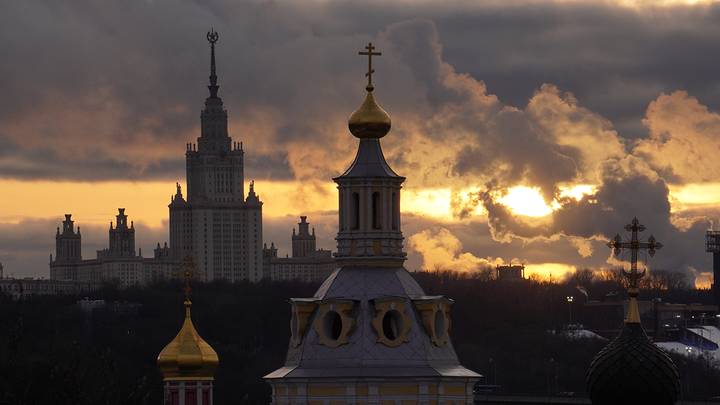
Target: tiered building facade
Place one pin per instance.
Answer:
(217, 225)
(119, 263)
(307, 263)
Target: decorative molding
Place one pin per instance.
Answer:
(301, 312)
(382, 307)
(344, 309)
(435, 313)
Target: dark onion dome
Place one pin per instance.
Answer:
(632, 370)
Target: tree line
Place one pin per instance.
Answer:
(51, 352)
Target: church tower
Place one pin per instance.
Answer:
(188, 363)
(68, 251)
(303, 242)
(370, 334)
(68, 242)
(121, 237)
(217, 225)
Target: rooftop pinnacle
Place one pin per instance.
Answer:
(370, 120)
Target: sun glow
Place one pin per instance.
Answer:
(548, 271)
(704, 280)
(527, 201)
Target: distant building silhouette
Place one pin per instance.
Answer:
(217, 225)
(307, 262)
(510, 272)
(118, 263)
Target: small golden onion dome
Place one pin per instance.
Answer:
(370, 120)
(188, 356)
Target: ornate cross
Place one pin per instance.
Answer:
(369, 53)
(634, 245)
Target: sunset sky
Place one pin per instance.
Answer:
(529, 131)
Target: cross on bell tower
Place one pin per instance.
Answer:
(369, 53)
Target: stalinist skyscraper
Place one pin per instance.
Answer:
(217, 225)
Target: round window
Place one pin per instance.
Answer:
(333, 325)
(392, 324)
(440, 323)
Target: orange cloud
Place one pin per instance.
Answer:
(441, 250)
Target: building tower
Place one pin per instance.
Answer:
(370, 334)
(712, 245)
(188, 363)
(121, 237)
(181, 235)
(68, 251)
(218, 226)
(631, 369)
(303, 243)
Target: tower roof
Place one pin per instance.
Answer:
(188, 355)
(369, 123)
(362, 356)
(370, 162)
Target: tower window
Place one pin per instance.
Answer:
(376, 211)
(394, 211)
(355, 211)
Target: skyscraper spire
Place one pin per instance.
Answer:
(213, 37)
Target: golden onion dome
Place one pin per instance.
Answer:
(370, 120)
(188, 356)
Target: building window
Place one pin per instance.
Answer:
(355, 211)
(394, 211)
(376, 211)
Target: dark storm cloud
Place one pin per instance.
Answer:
(628, 189)
(113, 91)
(120, 84)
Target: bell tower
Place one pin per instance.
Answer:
(370, 334)
(369, 190)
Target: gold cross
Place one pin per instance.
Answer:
(369, 53)
(188, 267)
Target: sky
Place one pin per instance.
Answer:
(529, 131)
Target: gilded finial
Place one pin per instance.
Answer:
(369, 121)
(187, 276)
(188, 356)
(369, 53)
